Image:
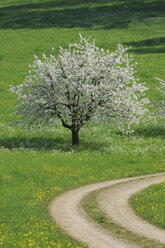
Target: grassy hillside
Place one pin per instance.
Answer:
(35, 167)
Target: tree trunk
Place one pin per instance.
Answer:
(75, 139)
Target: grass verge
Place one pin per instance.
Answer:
(150, 204)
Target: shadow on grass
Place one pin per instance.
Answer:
(151, 132)
(37, 143)
(103, 14)
(156, 45)
(147, 132)
(48, 144)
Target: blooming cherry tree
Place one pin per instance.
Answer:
(84, 83)
(161, 104)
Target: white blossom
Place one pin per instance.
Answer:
(161, 104)
(84, 83)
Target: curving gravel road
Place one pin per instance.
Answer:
(115, 203)
(66, 211)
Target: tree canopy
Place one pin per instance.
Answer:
(84, 83)
(160, 105)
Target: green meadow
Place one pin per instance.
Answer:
(36, 166)
(150, 204)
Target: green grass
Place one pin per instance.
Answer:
(150, 204)
(35, 167)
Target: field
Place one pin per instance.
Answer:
(150, 204)
(36, 166)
